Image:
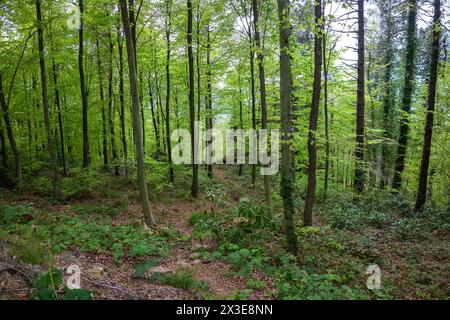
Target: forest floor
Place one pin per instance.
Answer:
(205, 249)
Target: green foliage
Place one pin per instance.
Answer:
(216, 196)
(140, 269)
(182, 279)
(49, 286)
(30, 249)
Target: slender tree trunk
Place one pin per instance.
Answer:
(360, 135)
(154, 120)
(325, 107)
(3, 145)
(168, 88)
(194, 156)
(209, 111)
(60, 121)
(431, 101)
(141, 98)
(262, 91)
(11, 137)
(312, 141)
(134, 92)
(86, 158)
(50, 142)
(408, 88)
(112, 131)
(253, 93)
(287, 169)
(387, 99)
(241, 121)
(199, 88)
(103, 108)
(122, 104)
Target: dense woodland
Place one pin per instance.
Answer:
(91, 92)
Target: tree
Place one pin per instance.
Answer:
(48, 129)
(168, 23)
(360, 134)
(312, 144)
(84, 99)
(194, 189)
(134, 92)
(262, 90)
(103, 110)
(408, 88)
(287, 170)
(387, 94)
(431, 103)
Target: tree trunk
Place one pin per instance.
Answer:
(209, 112)
(360, 135)
(86, 159)
(3, 145)
(325, 107)
(262, 91)
(312, 143)
(194, 191)
(122, 104)
(287, 169)
(154, 120)
(387, 99)
(50, 142)
(11, 137)
(134, 92)
(103, 108)
(408, 88)
(110, 107)
(60, 121)
(168, 88)
(252, 85)
(431, 101)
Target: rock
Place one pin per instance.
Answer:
(159, 270)
(96, 271)
(196, 261)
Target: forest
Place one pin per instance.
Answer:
(224, 150)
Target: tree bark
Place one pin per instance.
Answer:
(3, 145)
(60, 121)
(431, 101)
(209, 111)
(86, 158)
(11, 137)
(134, 92)
(287, 169)
(103, 109)
(314, 114)
(110, 114)
(122, 104)
(50, 142)
(360, 134)
(408, 88)
(168, 90)
(194, 191)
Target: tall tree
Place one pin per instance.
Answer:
(168, 23)
(48, 129)
(84, 99)
(314, 114)
(134, 92)
(262, 90)
(11, 136)
(103, 110)
(431, 102)
(3, 145)
(208, 107)
(112, 132)
(194, 191)
(408, 88)
(122, 102)
(287, 169)
(387, 94)
(360, 104)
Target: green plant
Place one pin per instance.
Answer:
(49, 286)
(216, 196)
(30, 249)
